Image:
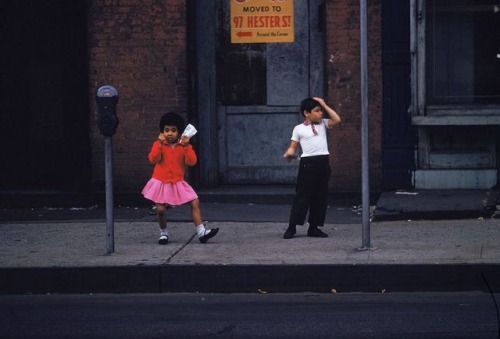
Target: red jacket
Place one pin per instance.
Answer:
(170, 162)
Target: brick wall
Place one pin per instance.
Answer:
(344, 91)
(139, 47)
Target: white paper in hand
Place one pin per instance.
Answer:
(189, 131)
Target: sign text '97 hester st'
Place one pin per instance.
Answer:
(262, 21)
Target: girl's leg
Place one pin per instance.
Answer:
(162, 222)
(203, 234)
(195, 211)
(162, 219)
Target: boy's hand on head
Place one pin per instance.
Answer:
(320, 100)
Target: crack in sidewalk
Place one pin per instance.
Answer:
(180, 249)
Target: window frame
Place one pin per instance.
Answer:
(438, 114)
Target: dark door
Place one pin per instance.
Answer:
(246, 97)
(399, 138)
(43, 87)
(259, 89)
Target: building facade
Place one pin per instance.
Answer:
(434, 109)
(456, 92)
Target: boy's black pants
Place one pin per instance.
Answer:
(311, 191)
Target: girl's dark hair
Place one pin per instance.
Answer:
(308, 105)
(172, 119)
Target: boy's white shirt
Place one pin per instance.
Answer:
(310, 143)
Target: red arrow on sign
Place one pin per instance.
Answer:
(242, 34)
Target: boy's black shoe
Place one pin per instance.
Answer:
(163, 240)
(289, 233)
(316, 233)
(208, 234)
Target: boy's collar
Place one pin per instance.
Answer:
(309, 122)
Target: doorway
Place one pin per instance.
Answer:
(399, 136)
(257, 92)
(44, 85)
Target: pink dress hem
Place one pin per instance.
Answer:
(174, 194)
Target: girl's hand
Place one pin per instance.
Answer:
(184, 141)
(161, 138)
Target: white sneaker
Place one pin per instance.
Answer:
(163, 240)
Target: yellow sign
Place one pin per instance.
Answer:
(262, 21)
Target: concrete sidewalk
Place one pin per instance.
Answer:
(43, 253)
(74, 244)
(71, 257)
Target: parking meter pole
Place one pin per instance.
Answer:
(110, 222)
(107, 121)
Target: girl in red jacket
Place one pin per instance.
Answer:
(170, 155)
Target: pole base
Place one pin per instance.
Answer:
(365, 248)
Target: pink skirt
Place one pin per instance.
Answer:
(174, 194)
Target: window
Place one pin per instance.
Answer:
(463, 52)
(458, 53)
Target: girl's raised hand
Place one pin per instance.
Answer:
(184, 140)
(161, 138)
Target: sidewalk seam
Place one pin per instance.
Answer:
(180, 249)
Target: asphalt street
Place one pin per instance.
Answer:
(256, 315)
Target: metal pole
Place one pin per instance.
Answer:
(364, 129)
(110, 227)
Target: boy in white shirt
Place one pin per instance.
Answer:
(314, 167)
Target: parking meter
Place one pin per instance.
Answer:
(107, 98)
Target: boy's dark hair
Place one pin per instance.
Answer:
(308, 105)
(172, 119)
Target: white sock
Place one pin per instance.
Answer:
(200, 230)
(164, 231)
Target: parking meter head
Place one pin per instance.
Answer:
(107, 99)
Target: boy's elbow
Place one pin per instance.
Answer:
(334, 122)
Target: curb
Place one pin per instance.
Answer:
(252, 279)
